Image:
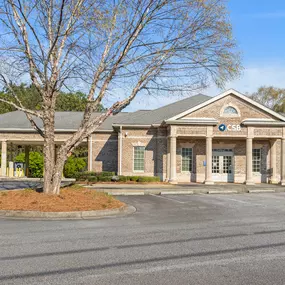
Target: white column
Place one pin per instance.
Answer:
(209, 146)
(27, 160)
(249, 177)
(173, 178)
(89, 142)
(168, 161)
(273, 160)
(4, 158)
(283, 162)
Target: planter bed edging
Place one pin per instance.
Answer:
(66, 215)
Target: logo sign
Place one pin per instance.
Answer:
(233, 128)
(222, 127)
(19, 165)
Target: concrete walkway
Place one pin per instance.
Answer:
(193, 188)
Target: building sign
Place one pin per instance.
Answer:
(230, 127)
(19, 165)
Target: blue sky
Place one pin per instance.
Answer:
(259, 28)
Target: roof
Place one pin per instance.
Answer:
(69, 121)
(157, 116)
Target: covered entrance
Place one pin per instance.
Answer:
(223, 165)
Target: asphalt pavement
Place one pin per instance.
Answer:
(173, 239)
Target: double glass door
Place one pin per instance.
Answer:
(222, 165)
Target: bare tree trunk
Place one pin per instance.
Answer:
(57, 171)
(49, 152)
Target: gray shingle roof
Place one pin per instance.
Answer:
(71, 120)
(157, 116)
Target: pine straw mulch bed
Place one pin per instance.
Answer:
(73, 198)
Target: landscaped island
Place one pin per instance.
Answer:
(72, 198)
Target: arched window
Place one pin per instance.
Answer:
(230, 111)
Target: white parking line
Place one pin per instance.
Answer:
(239, 201)
(167, 198)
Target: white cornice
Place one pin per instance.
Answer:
(222, 95)
(193, 121)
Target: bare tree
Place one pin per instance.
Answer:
(125, 46)
(271, 97)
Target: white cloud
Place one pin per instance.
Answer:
(253, 77)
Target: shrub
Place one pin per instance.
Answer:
(36, 163)
(134, 178)
(73, 165)
(123, 178)
(107, 173)
(149, 179)
(84, 175)
(104, 178)
(92, 178)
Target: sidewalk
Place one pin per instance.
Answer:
(193, 188)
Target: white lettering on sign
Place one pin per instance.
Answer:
(230, 127)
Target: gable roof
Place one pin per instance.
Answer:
(222, 95)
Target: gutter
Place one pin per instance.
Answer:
(15, 130)
(264, 124)
(132, 126)
(192, 122)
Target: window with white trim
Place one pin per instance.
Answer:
(256, 160)
(139, 158)
(230, 111)
(187, 159)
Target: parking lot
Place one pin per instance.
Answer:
(171, 239)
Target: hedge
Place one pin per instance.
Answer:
(106, 176)
(86, 174)
(149, 179)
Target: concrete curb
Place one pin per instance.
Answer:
(125, 193)
(185, 192)
(66, 215)
(262, 191)
(222, 192)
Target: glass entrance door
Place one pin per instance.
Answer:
(222, 165)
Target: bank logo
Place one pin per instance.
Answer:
(233, 128)
(222, 127)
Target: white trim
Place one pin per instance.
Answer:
(138, 171)
(120, 143)
(192, 154)
(222, 95)
(263, 123)
(222, 111)
(90, 145)
(195, 121)
(139, 144)
(260, 162)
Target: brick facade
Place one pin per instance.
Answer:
(114, 150)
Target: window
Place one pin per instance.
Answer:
(139, 158)
(186, 159)
(230, 111)
(256, 160)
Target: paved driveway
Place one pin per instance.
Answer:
(195, 239)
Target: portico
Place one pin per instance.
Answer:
(226, 144)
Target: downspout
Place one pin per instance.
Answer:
(120, 149)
